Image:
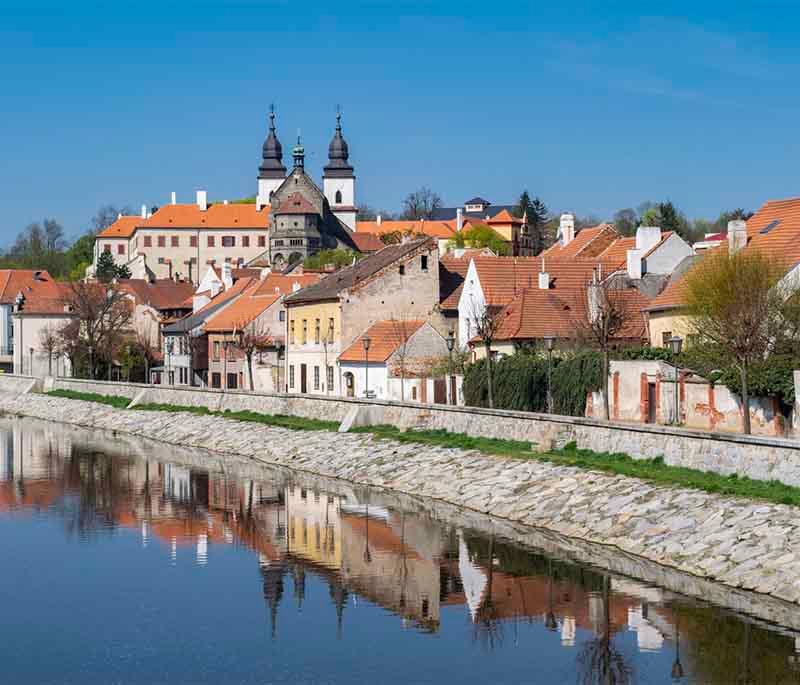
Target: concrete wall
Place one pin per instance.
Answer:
(757, 457)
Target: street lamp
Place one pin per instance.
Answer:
(675, 344)
(366, 342)
(549, 341)
(451, 343)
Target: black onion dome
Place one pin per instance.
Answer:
(272, 153)
(338, 153)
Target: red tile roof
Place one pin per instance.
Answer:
(386, 337)
(367, 242)
(504, 217)
(452, 272)
(296, 204)
(286, 284)
(123, 227)
(590, 242)
(247, 307)
(26, 281)
(434, 229)
(164, 293)
(216, 216)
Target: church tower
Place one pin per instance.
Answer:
(338, 179)
(271, 172)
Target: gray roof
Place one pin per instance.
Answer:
(449, 213)
(330, 286)
(198, 318)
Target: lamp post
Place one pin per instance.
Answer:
(451, 343)
(675, 344)
(91, 362)
(549, 341)
(366, 342)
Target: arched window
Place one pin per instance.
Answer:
(338, 197)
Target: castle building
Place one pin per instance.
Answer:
(291, 219)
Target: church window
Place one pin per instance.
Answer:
(228, 241)
(338, 197)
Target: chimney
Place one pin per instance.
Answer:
(544, 278)
(174, 198)
(647, 237)
(224, 202)
(634, 263)
(202, 200)
(144, 211)
(737, 235)
(566, 229)
(227, 275)
(378, 219)
(459, 219)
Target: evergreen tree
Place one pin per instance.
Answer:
(537, 216)
(107, 270)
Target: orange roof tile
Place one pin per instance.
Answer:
(504, 217)
(295, 204)
(367, 242)
(123, 227)
(618, 250)
(164, 293)
(26, 281)
(216, 216)
(386, 337)
(588, 243)
(434, 229)
(286, 284)
(452, 272)
(247, 307)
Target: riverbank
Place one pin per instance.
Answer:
(753, 546)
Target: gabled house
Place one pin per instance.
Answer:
(400, 281)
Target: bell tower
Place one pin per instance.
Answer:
(271, 172)
(338, 179)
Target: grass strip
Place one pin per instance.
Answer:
(651, 470)
(117, 401)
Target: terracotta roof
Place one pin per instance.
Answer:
(330, 286)
(386, 337)
(434, 229)
(198, 318)
(27, 281)
(367, 242)
(452, 272)
(284, 284)
(216, 216)
(123, 227)
(164, 293)
(504, 217)
(588, 243)
(50, 300)
(296, 204)
(248, 306)
(618, 250)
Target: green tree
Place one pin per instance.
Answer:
(335, 258)
(626, 220)
(537, 216)
(108, 270)
(480, 236)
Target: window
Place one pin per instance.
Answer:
(278, 243)
(106, 248)
(291, 376)
(210, 241)
(316, 332)
(402, 269)
(162, 241)
(120, 249)
(148, 241)
(316, 378)
(329, 379)
(173, 241)
(161, 260)
(192, 241)
(262, 241)
(330, 329)
(414, 392)
(216, 349)
(296, 242)
(291, 332)
(665, 338)
(282, 315)
(338, 197)
(228, 241)
(245, 241)
(305, 331)
(232, 382)
(424, 262)
(216, 380)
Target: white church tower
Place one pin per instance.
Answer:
(271, 172)
(338, 179)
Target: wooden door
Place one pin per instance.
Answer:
(651, 403)
(439, 391)
(303, 378)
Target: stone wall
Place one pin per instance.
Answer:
(762, 458)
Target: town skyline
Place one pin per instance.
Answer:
(444, 115)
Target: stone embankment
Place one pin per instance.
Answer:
(741, 543)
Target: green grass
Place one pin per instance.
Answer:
(113, 400)
(651, 470)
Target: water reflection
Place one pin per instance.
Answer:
(418, 570)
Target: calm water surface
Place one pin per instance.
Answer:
(124, 565)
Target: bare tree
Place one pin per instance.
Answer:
(601, 316)
(402, 329)
(252, 337)
(147, 344)
(107, 215)
(103, 314)
(49, 342)
(484, 323)
(421, 204)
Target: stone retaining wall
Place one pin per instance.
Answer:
(734, 541)
(762, 458)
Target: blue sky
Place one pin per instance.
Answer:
(593, 107)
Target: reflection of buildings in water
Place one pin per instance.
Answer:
(314, 527)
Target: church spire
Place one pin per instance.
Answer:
(338, 153)
(271, 152)
(299, 153)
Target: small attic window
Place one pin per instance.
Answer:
(402, 269)
(769, 226)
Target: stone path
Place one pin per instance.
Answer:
(742, 543)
